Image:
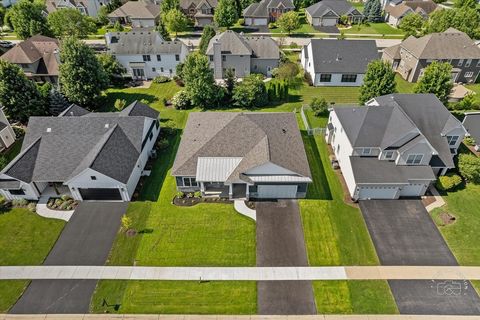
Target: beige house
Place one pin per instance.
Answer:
(140, 14)
(201, 11)
(395, 13)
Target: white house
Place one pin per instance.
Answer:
(395, 146)
(91, 156)
(332, 62)
(7, 135)
(144, 54)
(86, 7)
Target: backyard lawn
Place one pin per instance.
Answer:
(373, 28)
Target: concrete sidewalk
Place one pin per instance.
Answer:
(240, 273)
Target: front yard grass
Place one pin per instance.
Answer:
(10, 292)
(380, 28)
(176, 297)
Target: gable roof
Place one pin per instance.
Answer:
(471, 122)
(39, 49)
(342, 56)
(339, 7)
(185, 4)
(142, 42)
(257, 138)
(432, 46)
(73, 111)
(257, 46)
(137, 10)
(55, 149)
(260, 9)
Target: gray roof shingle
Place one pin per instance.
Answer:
(471, 122)
(142, 42)
(340, 7)
(233, 43)
(260, 9)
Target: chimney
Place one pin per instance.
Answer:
(217, 60)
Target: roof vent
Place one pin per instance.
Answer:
(49, 129)
(107, 125)
(284, 130)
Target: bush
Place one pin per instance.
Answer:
(162, 144)
(197, 194)
(308, 78)
(448, 182)
(120, 104)
(319, 106)
(241, 21)
(469, 141)
(272, 25)
(467, 103)
(181, 100)
(294, 45)
(180, 194)
(469, 166)
(66, 197)
(32, 207)
(19, 202)
(161, 79)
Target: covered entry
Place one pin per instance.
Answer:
(277, 191)
(106, 194)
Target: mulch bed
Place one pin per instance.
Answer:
(428, 198)
(189, 202)
(251, 204)
(472, 149)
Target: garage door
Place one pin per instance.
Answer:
(277, 192)
(327, 22)
(413, 190)
(377, 193)
(260, 22)
(100, 194)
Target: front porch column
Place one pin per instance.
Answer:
(247, 192)
(202, 187)
(230, 191)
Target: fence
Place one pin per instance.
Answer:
(311, 131)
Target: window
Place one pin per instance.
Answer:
(177, 57)
(468, 63)
(349, 78)
(17, 192)
(211, 58)
(389, 154)
(421, 73)
(338, 149)
(414, 158)
(325, 77)
(153, 69)
(224, 58)
(366, 151)
(189, 182)
(161, 69)
(452, 140)
(24, 65)
(460, 63)
(468, 74)
(478, 63)
(93, 177)
(170, 71)
(159, 57)
(146, 57)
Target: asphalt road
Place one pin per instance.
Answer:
(280, 242)
(86, 240)
(404, 234)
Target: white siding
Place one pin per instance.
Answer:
(336, 81)
(7, 135)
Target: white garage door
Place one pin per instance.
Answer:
(277, 192)
(260, 22)
(413, 190)
(377, 193)
(329, 22)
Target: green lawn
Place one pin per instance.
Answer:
(354, 297)
(373, 28)
(475, 88)
(10, 291)
(403, 86)
(176, 297)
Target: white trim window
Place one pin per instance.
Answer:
(414, 158)
(389, 154)
(452, 140)
(366, 151)
(189, 182)
(460, 63)
(478, 63)
(468, 63)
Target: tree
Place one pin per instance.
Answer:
(378, 81)
(375, 12)
(82, 77)
(3, 12)
(199, 81)
(27, 19)
(162, 30)
(102, 16)
(70, 22)
(112, 67)
(120, 104)
(175, 21)
(319, 106)
(411, 24)
(436, 79)
(250, 93)
(18, 95)
(230, 82)
(207, 35)
(469, 167)
(367, 8)
(168, 5)
(463, 19)
(287, 71)
(58, 103)
(465, 4)
(289, 21)
(117, 26)
(226, 13)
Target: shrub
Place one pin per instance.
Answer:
(162, 144)
(181, 100)
(467, 103)
(120, 104)
(448, 182)
(469, 141)
(32, 207)
(63, 206)
(180, 194)
(469, 166)
(308, 78)
(19, 202)
(66, 197)
(241, 21)
(126, 222)
(197, 194)
(272, 25)
(319, 106)
(161, 79)
(58, 202)
(293, 45)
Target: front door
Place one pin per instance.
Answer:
(138, 73)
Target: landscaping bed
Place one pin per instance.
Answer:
(191, 199)
(64, 203)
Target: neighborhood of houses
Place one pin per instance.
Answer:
(281, 152)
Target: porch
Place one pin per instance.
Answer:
(54, 190)
(219, 189)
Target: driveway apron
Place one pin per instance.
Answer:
(86, 240)
(404, 234)
(280, 243)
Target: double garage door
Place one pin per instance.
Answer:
(277, 191)
(103, 194)
(386, 192)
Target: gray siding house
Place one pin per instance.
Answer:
(328, 12)
(242, 156)
(243, 54)
(266, 11)
(86, 7)
(200, 11)
(413, 55)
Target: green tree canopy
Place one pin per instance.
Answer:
(436, 79)
(70, 22)
(82, 77)
(250, 93)
(378, 81)
(168, 5)
(27, 19)
(162, 30)
(111, 66)
(18, 95)
(375, 12)
(226, 13)
(463, 19)
(465, 4)
(102, 16)
(3, 11)
(175, 21)
(289, 21)
(411, 24)
(207, 34)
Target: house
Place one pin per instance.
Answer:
(413, 55)
(266, 11)
(139, 14)
(200, 11)
(395, 146)
(7, 3)
(86, 7)
(92, 156)
(144, 54)
(7, 135)
(243, 54)
(242, 156)
(338, 62)
(328, 12)
(471, 122)
(38, 56)
(395, 13)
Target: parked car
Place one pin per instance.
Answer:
(6, 44)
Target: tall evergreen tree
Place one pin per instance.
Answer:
(378, 81)
(375, 12)
(57, 102)
(207, 35)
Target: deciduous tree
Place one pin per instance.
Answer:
(112, 67)
(175, 21)
(289, 21)
(70, 22)
(411, 24)
(162, 30)
(27, 19)
(379, 80)
(226, 13)
(168, 5)
(436, 79)
(207, 35)
(463, 19)
(250, 93)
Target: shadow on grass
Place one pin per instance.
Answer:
(111, 96)
(320, 188)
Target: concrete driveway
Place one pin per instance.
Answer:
(280, 242)
(86, 240)
(404, 234)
